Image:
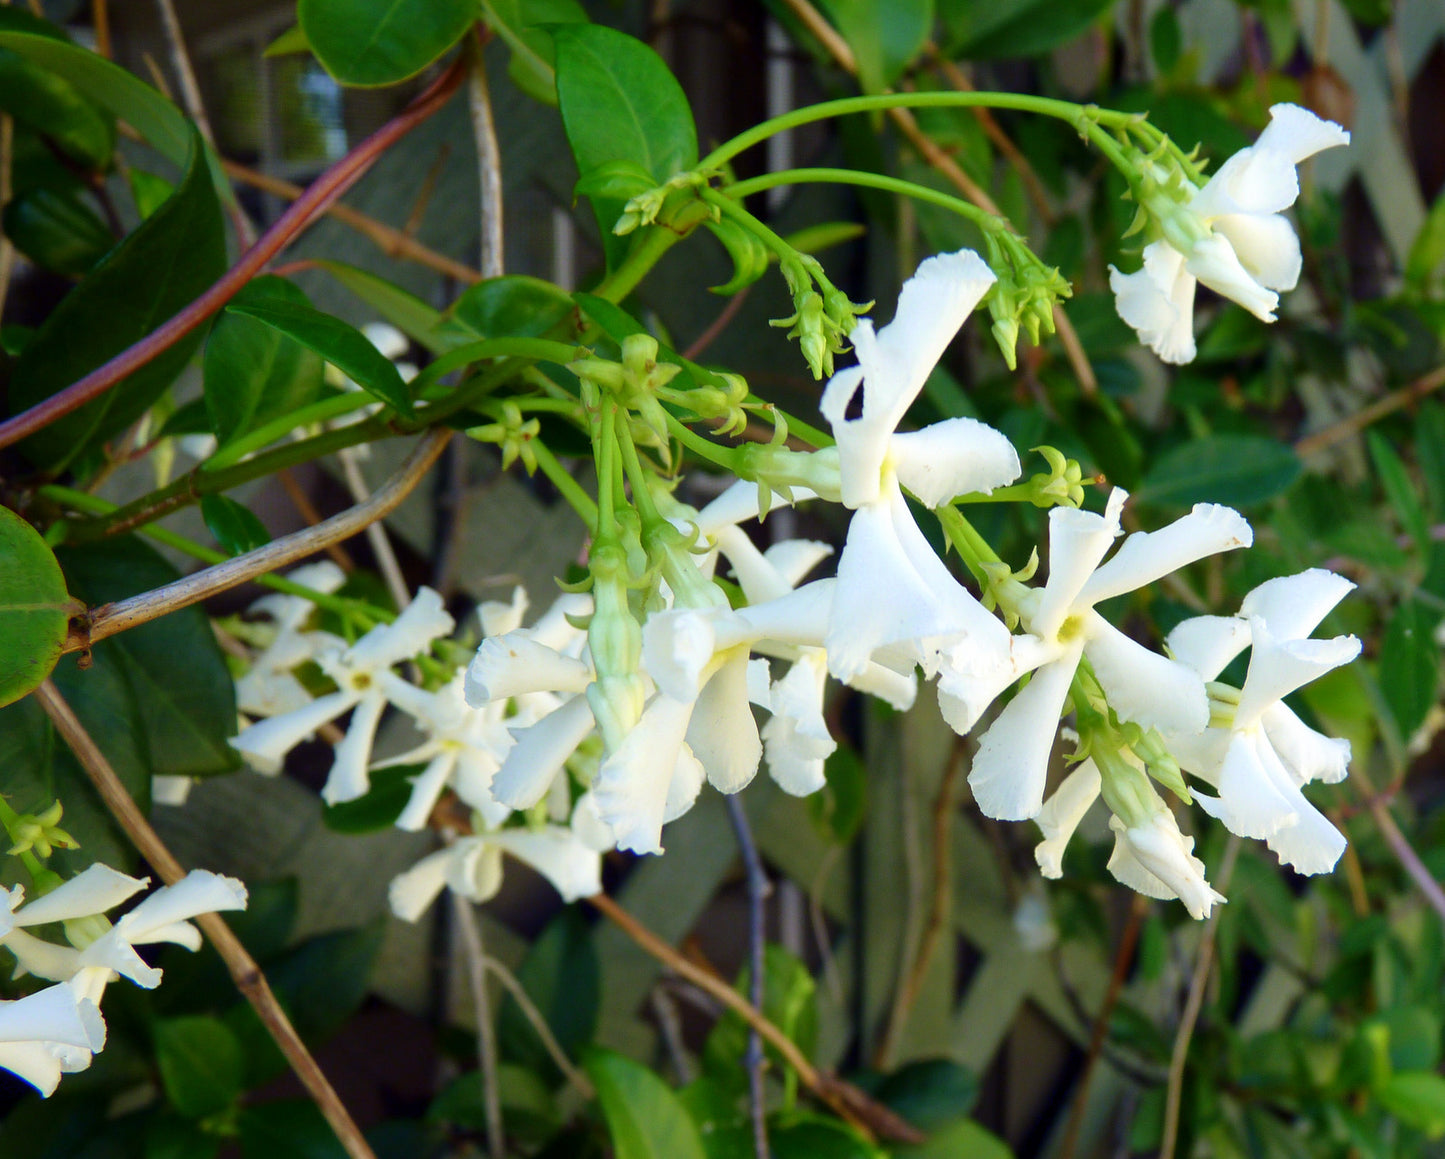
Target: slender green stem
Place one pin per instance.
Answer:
(532, 349)
(982, 218)
(786, 253)
(972, 548)
(564, 406)
(569, 488)
(725, 457)
(604, 451)
(333, 406)
(641, 484)
(645, 254)
(342, 605)
(1068, 111)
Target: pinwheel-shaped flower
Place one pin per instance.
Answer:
(48, 1033)
(1261, 754)
(1231, 235)
(269, 687)
(1011, 766)
(364, 682)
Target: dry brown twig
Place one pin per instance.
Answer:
(243, 968)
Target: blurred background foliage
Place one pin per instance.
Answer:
(915, 948)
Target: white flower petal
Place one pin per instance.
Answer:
(1250, 802)
(688, 776)
(1312, 845)
(54, 1014)
(1147, 556)
(199, 892)
(425, 790)
(1215, 263)
(500, 617)
(474, 870)
(266, 743)
(632, 785)
(557, 854)
(1143, 686)
(677, 646)
(1307, 754)
(92, 891)
(413, 890)
(540, 751)
(420, 622)
(1208, 643)
(1157, 301)
(1078, 540)
(1164, 852)
(951, 458)
(722, 732)
(897, 689)
(348, 779)
(1252, 181)
(1061, 815)
(1266, 245)
(43, 959)
(515, 664)
(1298, 133)
(796, 737)
(968, 683)
(794, 559)
(1011, 766)
(1294, 605)
(1278, 667)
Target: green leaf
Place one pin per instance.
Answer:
(964, 1140)
(291, 41)
(512, 305)
(1416, 1098)
(749, 256)
(644, 1117)
(56, 230)
(169, 260)
(1399, 489)
(236, 528)
(35, 608)
(379, 807)
(185, 692)
(517, 22)
(324, 979)
(1233, 469)
(1165, 39)
(200, 1064)
(340, 343)
(168, 1136)
(563, 977)
(839, 810)
(421, 323)
(149, 191)
(620, 103)
(529, 1111)
(718, 1113)
(1430, 453)
(253, 372)
(1013, 29)
(885, 36)
(367, 43)
(814, 1137)
(108, 85)
(789, 1002)
(929, 1092)
(287, 1130)
(1409, 666)
(1427, 252)
(47, 103)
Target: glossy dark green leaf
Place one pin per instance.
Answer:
(174, 665)
(722, 1121)
(293, 40)
(749, 256)
(1427, 252)
(963, 1140)
(518, 23)
(200, 1064)
(287, 1130)
(1234, 469)
(839, 810)
(1012, 29)
(236, 528)
(323, 980)
(1409, 666)
(149, 191)
(929, 1092)
(790, 1003)
(340, 343)
(162, 266)
(35, 608)
(120, 93)
(512, 305)
(563, 977)
(421, 323)
(1416, 1098)
(815, 1137)
(56, 230)
(1165, 39)
(379, 807)
(1430, 453)
(885, 35)
(253, 372)
(1399, 489)
(46, 102)
(169, 1136)
(380, 42)
(644, 1116)
(529, 1111)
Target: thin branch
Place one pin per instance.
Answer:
(1355, 423)
(476, 954)
(758, 888)
(870, 1117)
(1192, 1005)
(1399, 844)
(376, 535)
(489, 161)
(109, 619)
(394, 243)
(669, 1025)
(1122, 957)
(307, 510)
(579, 1080)
(322, 193)
(243, 968)
(939, 911)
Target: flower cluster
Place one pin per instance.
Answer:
(598, 724)
(1231, 234)
(59, 1029)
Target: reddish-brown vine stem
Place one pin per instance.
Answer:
(305, 210)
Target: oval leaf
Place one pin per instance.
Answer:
(1409, 666)
(200, 1062)
(169, 260)
(513, 304)
(644, 1117)
(56, 231)
(1234, 469)
(236, 528)
(46, 102)
(885, 37)
(254, 372)
(379, 42)
(340, 343)
(35, 608)
(516, 21)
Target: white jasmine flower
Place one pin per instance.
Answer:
(1061, 815)
(1260, 758)
(268, 687)
(40, 1033)
(472, 866)
(1232, 236)
(893, 591)
(365, 682)
(1011, 766)
(1154, 858)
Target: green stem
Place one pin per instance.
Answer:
(532, 349)
(564, 406)
(342, 605)
(604, 451)
(972, 548)
(725, 457)
(982, 218)
(645, 254)
(1063, 110)
(333, 406)
(786, 253)
(569, 488)
(641, 488)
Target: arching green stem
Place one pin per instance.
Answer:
(982, 218)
